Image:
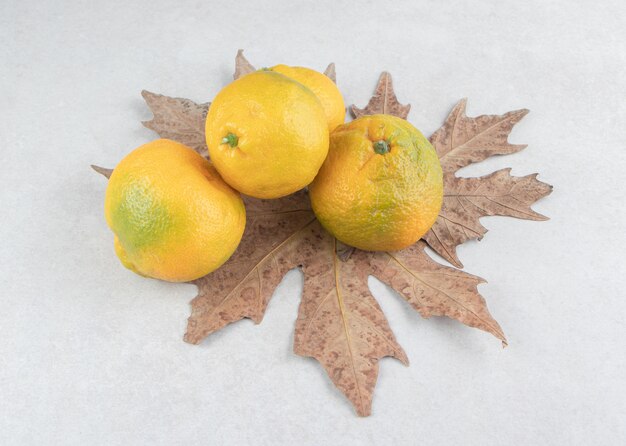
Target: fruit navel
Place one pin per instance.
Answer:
(381, 147)
(231, 139)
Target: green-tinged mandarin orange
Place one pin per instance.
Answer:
(173, 216)
(381, 186)
(267, 134)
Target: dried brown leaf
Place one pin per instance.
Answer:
(179, 119)
(339, 322)
(384, 101)
(330, 72)
(243, 286)
(242, 66)
(433, 289)
(102, 171)
(462, 140)
(467, 199)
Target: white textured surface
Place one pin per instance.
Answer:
(93, 355)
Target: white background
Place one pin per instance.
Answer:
(91, 354)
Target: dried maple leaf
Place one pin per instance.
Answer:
(467, 199)
(384, 101)
(179, 119)
(462, 140)
(339, 323)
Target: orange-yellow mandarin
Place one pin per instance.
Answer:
(381, 187)
(323, 87)
(267, 134)
(173, 217)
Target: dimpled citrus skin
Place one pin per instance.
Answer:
(173, 217)
(378, 202)
(323, 87)
(278, 131)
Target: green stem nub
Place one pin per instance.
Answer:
(230, 139)
(381, 147)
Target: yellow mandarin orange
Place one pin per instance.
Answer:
(267, 134)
